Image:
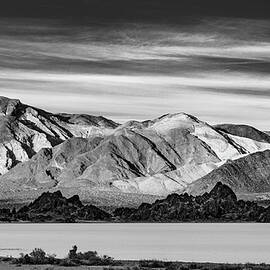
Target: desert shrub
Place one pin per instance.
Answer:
(23, 259)
(172, 266)
(183, 267)
(38, 256)
(107, 260)
(89, 258)
(227, 267)
(152, 264)
(111, 268)
(194, 266)
(6, 259)
(73, 253)
(49, 268)
(51, 259)
(89, 255)
(67, 262)
(134, 267)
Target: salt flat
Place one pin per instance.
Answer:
(233, 243)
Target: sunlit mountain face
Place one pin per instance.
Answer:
(139, 59)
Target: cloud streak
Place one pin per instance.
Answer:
(216, 69)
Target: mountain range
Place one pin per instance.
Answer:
(107, 162)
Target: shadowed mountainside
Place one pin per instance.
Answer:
(248, 174)
(245, 131)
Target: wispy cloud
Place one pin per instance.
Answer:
(215, 69)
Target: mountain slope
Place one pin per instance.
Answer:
(43, 169)
(250, 174)
(25, 130)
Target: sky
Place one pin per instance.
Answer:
(216, 68)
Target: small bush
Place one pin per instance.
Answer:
(49, 268)
(152, 264)
(67, 262)
(6, 259)
(38, 256)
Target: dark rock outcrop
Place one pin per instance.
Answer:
(220, 205)
(55, 207)
(222, 192)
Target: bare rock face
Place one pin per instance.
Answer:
(25, 130)
(9, 107)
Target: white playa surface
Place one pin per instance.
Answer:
(184, 242)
